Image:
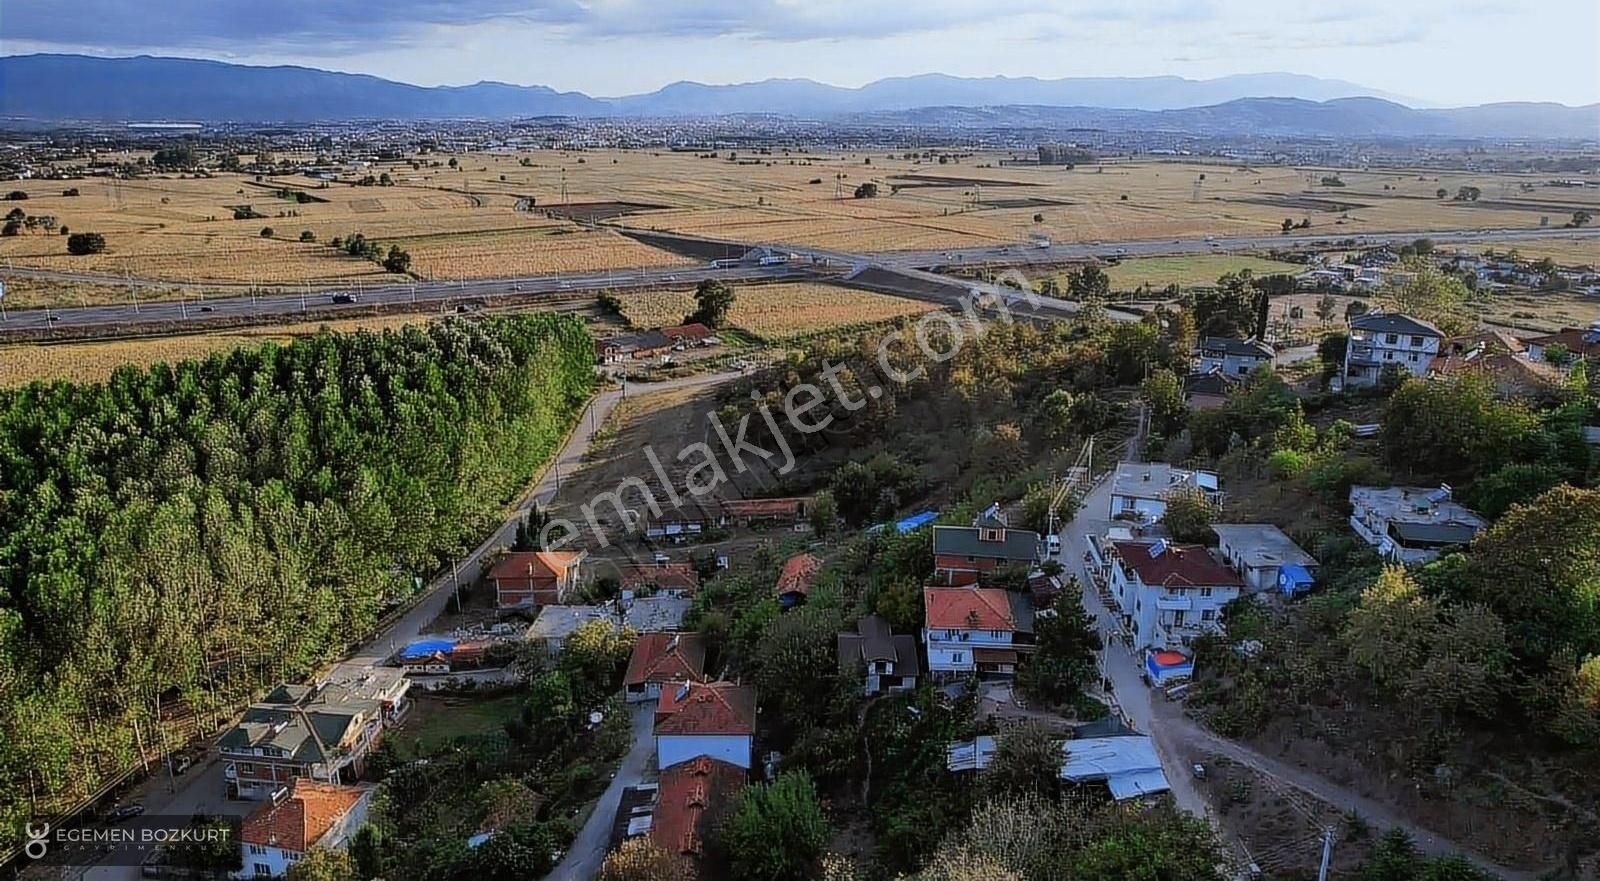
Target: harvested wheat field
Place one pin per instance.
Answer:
(778, 311)
(95, 361)
(529, 213)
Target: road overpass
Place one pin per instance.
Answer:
(807, 263)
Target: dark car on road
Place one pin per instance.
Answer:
(125, 812)
(345, 299)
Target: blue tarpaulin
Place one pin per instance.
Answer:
(919, 519)
(1293, 578)
(425, 647)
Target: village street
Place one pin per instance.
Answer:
(1176, 735)
(202, 788)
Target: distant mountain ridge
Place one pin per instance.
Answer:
(145, 88)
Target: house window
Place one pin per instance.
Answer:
(261, 870)
(247, 768)
(1416, 341)
(1208, 615)
(997, 634)
(1206, 591)
(1388, 356)
(1391, 338)
(1243, 369)
(257, 850)
(1413, 357)
(1177, 618)
(956, 657)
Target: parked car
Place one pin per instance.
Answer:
(345, 299)
(181, 764)
(127, 811)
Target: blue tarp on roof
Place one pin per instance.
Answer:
(919, 519)
(425, 647)
(1293, 578)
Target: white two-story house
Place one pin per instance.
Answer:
(712, 719)
(1168, 594)
(310, 815)
(888, 661)
(1379, 339)
(979, 630)
(1230, 356)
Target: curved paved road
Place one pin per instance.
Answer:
(444, 293)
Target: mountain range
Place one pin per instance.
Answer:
(44, 88)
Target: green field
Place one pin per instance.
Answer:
(435, 721)
(1199, 269)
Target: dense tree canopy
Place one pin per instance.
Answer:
(175, 538)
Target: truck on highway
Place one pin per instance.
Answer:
(774, 260)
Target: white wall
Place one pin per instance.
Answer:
(276, 860)
(674, 748)
(1152, 509)
(949, 653)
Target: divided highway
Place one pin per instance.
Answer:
(811, 263)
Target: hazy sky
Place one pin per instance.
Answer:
(1439, 51)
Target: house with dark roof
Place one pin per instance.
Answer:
(1411, 524)
(662, 660)
(794, 581)
(961, 554)
(321, 732)
(713, 719)
(1233, 357)
(527, 579)
(278, 834)
(970, 629)
(692, 798)
(1167, 594)
(888, 661)
(1379, 340)
(1209, 390)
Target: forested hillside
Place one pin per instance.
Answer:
(174, 539)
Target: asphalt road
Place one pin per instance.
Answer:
(447, 294)
(202, 788)
(589, 848)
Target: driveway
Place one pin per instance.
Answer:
(588, 850)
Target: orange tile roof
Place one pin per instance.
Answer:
(666, 576)
(298, 822)
(1177, 566)
(799, 571)
(666, 657)
(692, 796)
(968, 608)
(707, 708)
(535, 564)
(693, 331)
(760, 507)
(1576, 339)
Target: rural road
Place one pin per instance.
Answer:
(202, 789)
(1177, 735)
(589, 848)
(522, 290)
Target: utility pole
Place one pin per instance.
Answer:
(455, 578)
(1327, 854)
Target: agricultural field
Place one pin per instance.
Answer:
(509, 213)
(778, 311)
(1567, 252)
(27, 292)
(183, 230)
(95, 361)
(1541, 311)
(1187, 271)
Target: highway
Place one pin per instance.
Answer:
(809, 263)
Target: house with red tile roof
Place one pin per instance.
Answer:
(970, 629)
(692, 332)
(1575, 342)
(278, 834)
(794, 582)
(671, 579)
(663, 660)
(1168, 594)
(525, 579)
(715, 719)
(692, 797)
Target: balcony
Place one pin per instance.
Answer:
(1174, 603)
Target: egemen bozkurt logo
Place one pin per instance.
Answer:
(38, 840)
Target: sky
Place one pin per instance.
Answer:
(1437, 52)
